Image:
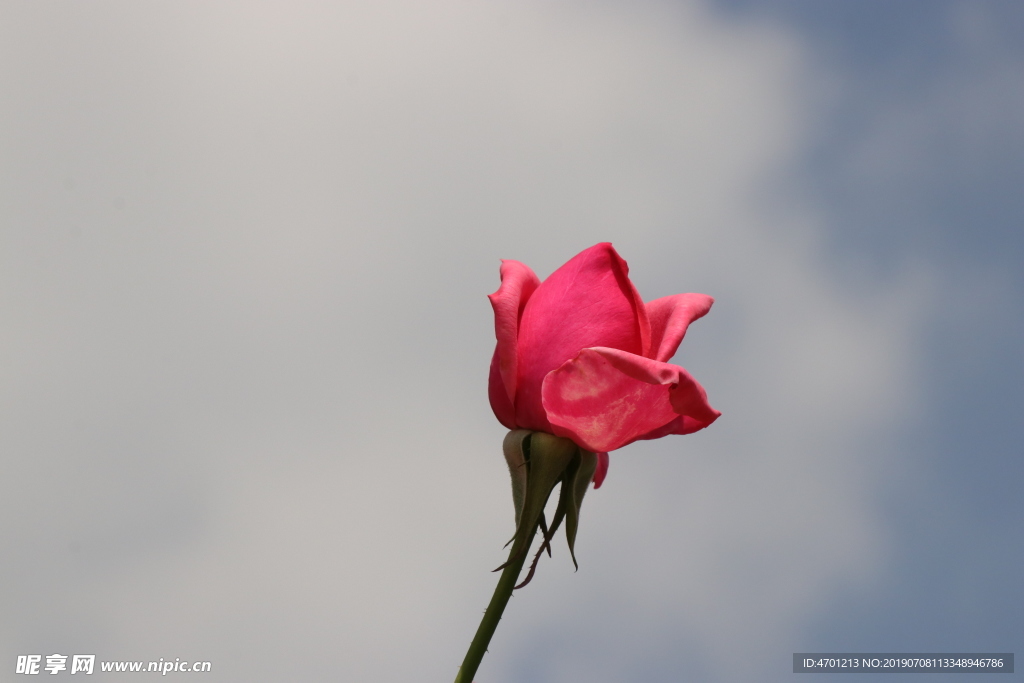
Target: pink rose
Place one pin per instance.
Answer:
(583, 357)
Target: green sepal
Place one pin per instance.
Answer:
(576, 487)
(517, 466)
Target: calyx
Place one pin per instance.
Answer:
(537, 462)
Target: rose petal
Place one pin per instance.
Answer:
(500, 403)
(518, 283)
(606, 398)
(587, 302)
(602, 469)
(670, 316)
(684, 424)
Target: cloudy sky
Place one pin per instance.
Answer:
(244, 336)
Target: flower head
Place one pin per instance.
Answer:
(581, 356)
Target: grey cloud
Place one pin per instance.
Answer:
(245, 336)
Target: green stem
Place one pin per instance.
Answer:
(502, 592)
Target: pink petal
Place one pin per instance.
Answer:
(606, 398)
(500, 403)
(587, 302)
(602, 469)
(518, 283)
(683, 424)
(670, 316)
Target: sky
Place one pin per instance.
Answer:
(245, 250)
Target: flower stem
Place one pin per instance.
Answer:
(502, 592)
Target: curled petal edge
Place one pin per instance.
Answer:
(518, 283)
(670, 316)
